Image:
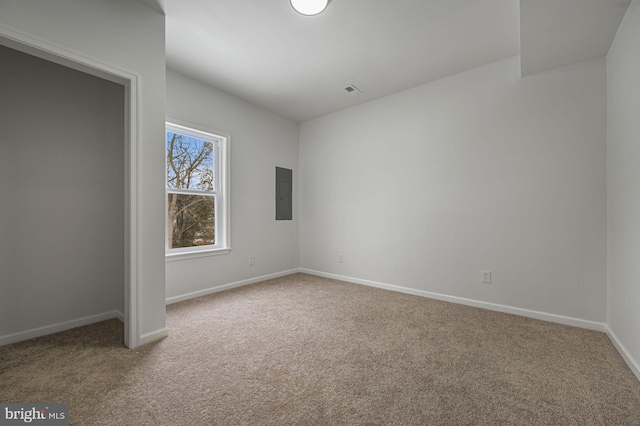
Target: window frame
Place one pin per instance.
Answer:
(220, 191)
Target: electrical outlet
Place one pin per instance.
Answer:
(340, 258)
(486, 277)
(252, 260)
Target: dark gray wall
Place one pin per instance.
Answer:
(61, 194)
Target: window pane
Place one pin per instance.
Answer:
(189, 162)
(191, 220)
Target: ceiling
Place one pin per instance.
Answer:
(298, 66)
(556, 33)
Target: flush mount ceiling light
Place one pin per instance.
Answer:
(309, 7)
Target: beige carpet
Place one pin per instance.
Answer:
(311, 351)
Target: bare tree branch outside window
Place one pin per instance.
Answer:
(191, 216)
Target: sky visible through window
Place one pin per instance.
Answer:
(189, 162)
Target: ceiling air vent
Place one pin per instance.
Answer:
(353, 90)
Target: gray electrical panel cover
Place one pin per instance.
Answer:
(284, 201)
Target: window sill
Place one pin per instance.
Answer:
(172, 257)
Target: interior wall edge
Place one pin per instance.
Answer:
(229, 286)
(544, 316)
(58, 327)
(634, 366)
(154, 335)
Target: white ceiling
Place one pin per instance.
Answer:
(556, 33)
(298, 66)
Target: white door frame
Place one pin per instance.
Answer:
(15, 39)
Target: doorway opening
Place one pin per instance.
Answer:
(127, 180)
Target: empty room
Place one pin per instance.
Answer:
(312, 212)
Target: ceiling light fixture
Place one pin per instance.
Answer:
(309, 7)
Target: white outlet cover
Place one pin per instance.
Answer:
(486, 277)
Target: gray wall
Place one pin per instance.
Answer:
(260, 141)
(482, 170)
(62, 174)
(126, 35)
(623, 187)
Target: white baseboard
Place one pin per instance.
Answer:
(153, 336)
(624, 353)
(58, 327)
(559, 319)
(193, 295)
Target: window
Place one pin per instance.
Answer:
(196, 191)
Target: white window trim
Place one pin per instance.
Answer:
(223, 205)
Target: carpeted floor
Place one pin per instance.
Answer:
(312, 351)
